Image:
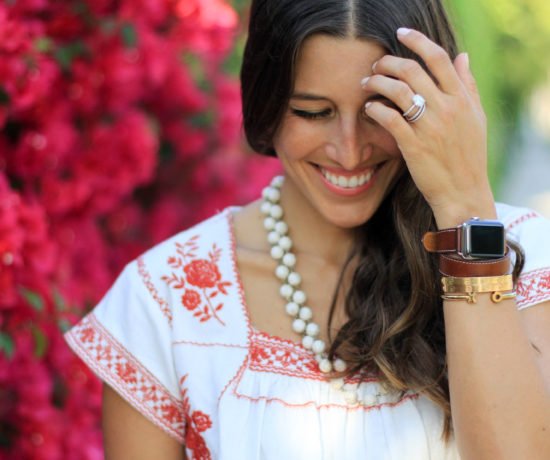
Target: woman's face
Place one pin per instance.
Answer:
(342, 162)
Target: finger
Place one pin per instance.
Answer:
(391, 120)
(436, 58)
(462, 66)
(398, 93)
(410, 73)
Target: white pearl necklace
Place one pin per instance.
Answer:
(281, 245)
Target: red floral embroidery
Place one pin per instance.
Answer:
(533, 287)
(201, 273)
(201, 421)
(190, 299)
(270, 354)
(196, 422)
(120, 369)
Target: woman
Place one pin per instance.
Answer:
(310, 324)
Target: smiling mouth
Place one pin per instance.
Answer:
(349, 181)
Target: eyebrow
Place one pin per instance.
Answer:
(308, 97)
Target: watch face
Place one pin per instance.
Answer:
(486, 239)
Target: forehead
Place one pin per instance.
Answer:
(323, 59)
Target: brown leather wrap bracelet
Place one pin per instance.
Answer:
(456, 266)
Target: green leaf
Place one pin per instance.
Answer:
(202, 120)
(40, 342)
(43, 44)
(59, 301)
(4, 97)
(34, 299)
(64, 55)
(129, 35)
(63, 325)
(6, 345)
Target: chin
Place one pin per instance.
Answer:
(350, 218)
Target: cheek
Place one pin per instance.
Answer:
(295, 139)
(389, 145)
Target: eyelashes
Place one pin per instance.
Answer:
(312, 115)
(327, 112)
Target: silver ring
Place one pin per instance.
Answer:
(416, 110)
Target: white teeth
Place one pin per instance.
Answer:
(347, 182)
(342, 181)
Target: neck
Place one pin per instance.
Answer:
(312, 234)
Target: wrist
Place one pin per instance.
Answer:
(456, 214)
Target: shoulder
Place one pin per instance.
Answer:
(532, 231)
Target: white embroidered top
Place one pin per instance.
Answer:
(173, 337)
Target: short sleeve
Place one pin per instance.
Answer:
(127, 341)
(532, 232)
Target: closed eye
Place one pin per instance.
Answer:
(311, 115)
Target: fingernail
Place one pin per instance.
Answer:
(403, 31)
(467, 57)
(364, 81)
(374, 65)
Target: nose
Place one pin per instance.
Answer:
(350, 146)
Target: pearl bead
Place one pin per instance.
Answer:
(265, 192)
(277, 252)
(273, 237)
(312, 329)
(265, 207)
(325, 366)
(281, 227)
(298, 325)
(339, 364)
(269, 223)
(289, 259)
(299, 297)
(306, 313)
(273, 194)
(307, 342)
(276, 211)
(285, 242)
(318, 346)
(294, 278)
(277, 181)
(292, 308)
(282, 272)
(337, 384)
(286, 291)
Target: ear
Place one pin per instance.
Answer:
(462, 67)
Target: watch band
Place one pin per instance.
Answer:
(452, 266)
(443, 241)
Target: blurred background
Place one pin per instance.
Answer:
(120, 125)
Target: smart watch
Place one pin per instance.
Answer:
(473, 239)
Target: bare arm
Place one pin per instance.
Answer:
(499, 383)
(128, 434)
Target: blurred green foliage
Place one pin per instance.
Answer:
(509, 46)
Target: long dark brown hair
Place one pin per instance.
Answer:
(395, 326)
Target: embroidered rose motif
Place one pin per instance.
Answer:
(196, 422)
(202, 421)
(202, 273)
(190, 299)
